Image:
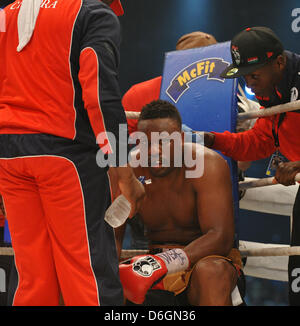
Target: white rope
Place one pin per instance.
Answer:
(267, 267)
(263, 260)
(275, 251)
(281, 108)
(268, 252)
(262, 182)
(248, 252)
(6, 251)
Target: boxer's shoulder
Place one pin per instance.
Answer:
(202, 155)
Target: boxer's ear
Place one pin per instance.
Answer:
(281, 61)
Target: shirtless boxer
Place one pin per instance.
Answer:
(193, 216)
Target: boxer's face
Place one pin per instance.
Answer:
(263, 80)
(160, 147)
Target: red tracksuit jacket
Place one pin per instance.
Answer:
(259, 142)
(64, 95)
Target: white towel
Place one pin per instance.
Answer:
(26, 21)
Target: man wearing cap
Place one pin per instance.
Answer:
(273, 74)
(59, 90)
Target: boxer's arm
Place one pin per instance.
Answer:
(123, 181)
(215, 209)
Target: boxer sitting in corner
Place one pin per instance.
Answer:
(189, 221)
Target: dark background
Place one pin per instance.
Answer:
(152, 27)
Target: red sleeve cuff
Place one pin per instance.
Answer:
(222, 140)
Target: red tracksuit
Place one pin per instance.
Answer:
(56, 96)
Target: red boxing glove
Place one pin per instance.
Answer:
(141, 273)
(138, 275)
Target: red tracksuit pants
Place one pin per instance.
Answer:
(55, 198)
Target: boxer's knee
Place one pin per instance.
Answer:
(216, 270)
(212, 282)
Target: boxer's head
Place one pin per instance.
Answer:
(161, 122)
(195, 40)
(258, 56)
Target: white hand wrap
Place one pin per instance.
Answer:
(176, 260)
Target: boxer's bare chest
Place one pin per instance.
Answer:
(169, 211)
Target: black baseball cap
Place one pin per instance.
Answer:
(251, 49)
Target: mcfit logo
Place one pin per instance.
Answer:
(211, 68)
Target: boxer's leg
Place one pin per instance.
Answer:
(212, 282)
(37, 282)
(294, 261)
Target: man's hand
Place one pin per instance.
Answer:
(139, 274)
(209, 139)
(131, 188)
(286, 172)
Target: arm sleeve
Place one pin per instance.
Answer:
(254, 144)
(98, 76)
